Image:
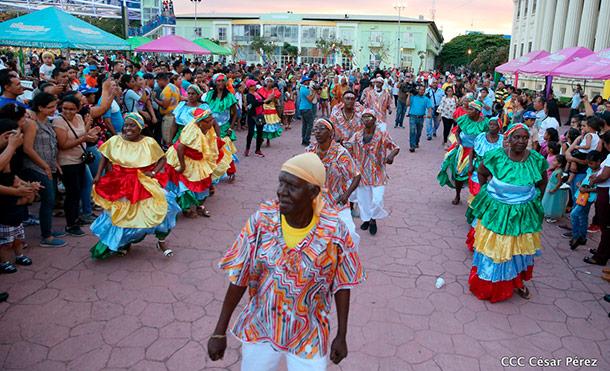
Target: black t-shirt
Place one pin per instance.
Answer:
(12, 214)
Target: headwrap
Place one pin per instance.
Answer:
(497, 119)
(476, 105)
(219, 76)
(326, 123)
(369, 111)
(378, 79)
(135, 117)
(308, 167)
(269, 78)
(196, 88)
(514, 127)
(201, 114)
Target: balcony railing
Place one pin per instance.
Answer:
(152, 24)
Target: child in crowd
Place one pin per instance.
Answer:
(585, 197)
(46, 70)
(553, 150)
(588, 141)
(570, 137)
(289, 105)
(550, 135)
(15, 195)
(555, 198)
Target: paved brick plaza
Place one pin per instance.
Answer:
(146, 312)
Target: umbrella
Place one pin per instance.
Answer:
(516, 64)
(136, 41)
(55, 29)
(546, 66)
(593, 67)
(212, 46)
(172, 44)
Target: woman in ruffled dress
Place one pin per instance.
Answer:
(273, 123)
(190, 164)
(134, 202)
(509, 213)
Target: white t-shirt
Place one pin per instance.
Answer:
(46, 71)
(549, 122)
(606, 163)
(594, 142)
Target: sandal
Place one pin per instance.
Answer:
(7, 268)
(524, 293)
(166, 252)
(202, 211)
(190, 214)
(23, 260)
(456, 201)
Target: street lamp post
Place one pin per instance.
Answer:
(196, 1)
(400, 5)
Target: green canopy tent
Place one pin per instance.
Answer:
(136, 41)
(52, 28)
(212, 46)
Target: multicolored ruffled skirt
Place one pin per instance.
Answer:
(273, 125)
(455, 166)
(507, 239)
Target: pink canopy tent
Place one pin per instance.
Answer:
(593, 67)
(515, 65)
(546, 66)
(172, 44)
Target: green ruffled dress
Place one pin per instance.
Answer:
(510, 214)
(221, 110)
(455, 165)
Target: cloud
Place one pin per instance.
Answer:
(454, 17)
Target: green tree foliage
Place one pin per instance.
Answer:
(490, 58)
(455, 52)
(290, 50)
(264, 44)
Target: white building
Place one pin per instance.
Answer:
(553, 25)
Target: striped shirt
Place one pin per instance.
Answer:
(370, 157)
(291, 290)
(45, 145)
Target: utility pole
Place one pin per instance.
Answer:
(400, 5)
(196, 1)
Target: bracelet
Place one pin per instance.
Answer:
(218, 336)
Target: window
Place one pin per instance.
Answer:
(309, 34)
(282, 33)
(376, 37)
(246, 32)
(522, 46)
(518, 8)
(197, 31)
(327, 33)
(514, 51)
(526, 4)
(534, 6)
(222, 34)
(529, 47)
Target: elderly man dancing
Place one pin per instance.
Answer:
(294, 254)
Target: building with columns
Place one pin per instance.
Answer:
(553, 25)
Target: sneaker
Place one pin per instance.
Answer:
(58, 234)
(434, 135)
(411, 150)
(259, 154)
(8, 268)
(23, 260)
(566, 235)
(85, 220)
(3, 296)
(75, 231)
(365, 226)
(551, 220)
(593, 228)
(429, 138)
(52, 242)
(31, 220)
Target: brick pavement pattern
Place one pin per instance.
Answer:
(147, 312)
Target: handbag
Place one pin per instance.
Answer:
(86, 157)
(582, 199)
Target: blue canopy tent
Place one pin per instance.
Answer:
(51, 28)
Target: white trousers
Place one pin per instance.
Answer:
(262, 357)
(346, 216)
(370, 202)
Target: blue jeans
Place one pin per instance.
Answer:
(307, 125)
(401, 110)
(416, 125)
(432, 124)
(580, 221)
(90, 172)
(47, 200)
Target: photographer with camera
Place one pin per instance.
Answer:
(72, 132)
(435, 95)
(405, 88)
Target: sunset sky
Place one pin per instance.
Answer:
(454, 17)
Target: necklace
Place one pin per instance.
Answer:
(345, 116)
